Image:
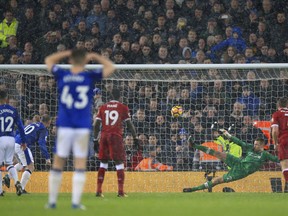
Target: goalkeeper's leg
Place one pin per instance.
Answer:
(206, 185)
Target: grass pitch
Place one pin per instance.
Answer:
(150, 204)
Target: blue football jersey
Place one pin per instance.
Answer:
(75, 97)
(35, 133)
(9, 118)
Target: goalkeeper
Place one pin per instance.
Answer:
(240, 167)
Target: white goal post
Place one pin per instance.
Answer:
(239, 96)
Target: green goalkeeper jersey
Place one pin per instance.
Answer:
(253, 160)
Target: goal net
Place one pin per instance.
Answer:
(240, 98)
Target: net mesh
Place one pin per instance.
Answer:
(241, 98)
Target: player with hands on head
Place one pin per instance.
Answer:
(111, 147)
(75, 89)
(240, 167)
(9, 118)
(280, 136)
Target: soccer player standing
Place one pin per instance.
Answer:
(74, 119)
(111, 146)
(280, 136)
(9, 117)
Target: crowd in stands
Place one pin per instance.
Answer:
(156, 32)
(146, 32)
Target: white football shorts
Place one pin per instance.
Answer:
(24, 157)
(76, 140)
(7, 150)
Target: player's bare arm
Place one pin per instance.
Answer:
(55, 58)
(275, 134)
(108, 66)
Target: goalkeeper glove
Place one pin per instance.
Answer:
(225, 133)
(96, 145)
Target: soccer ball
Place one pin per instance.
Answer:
(176, 111)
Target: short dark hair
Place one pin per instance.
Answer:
(78, 56)
(283, 102)
(261, 140)
(3, 95)
(115, 93)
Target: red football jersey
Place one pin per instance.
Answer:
(112, 115)
(280, 119)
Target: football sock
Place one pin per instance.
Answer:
(18, 167)
(55, 177)
(205, 149)
(25, 178)
(13, 173)
(206, 185)
(100, 179)
(1, 182)
(79, 178)
(121, 178)
(285, 174)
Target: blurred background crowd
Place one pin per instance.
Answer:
(145, 32)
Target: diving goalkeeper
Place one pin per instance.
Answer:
(240, 167)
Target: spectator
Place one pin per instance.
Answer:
(27, 58)
(272, 55)
(84, 7)
(163, 57)
(47, 44)
(8, 27)
(267, 11)
(96, 15)
(279, 32)
(192, 39)
(235, 41)
(160, 27)
(249, 132)
(28, 26)
(198, 22)
(228, 56)
(74, 16)
(146, 57)
(51, 23)
(12, 47)
(250, 102)
(70, 39)
(133, 155)
(82, 29)
(182, 151)
(139, 121)
(236, 115)
(14, 59)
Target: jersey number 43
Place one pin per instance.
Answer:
(67, 98)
